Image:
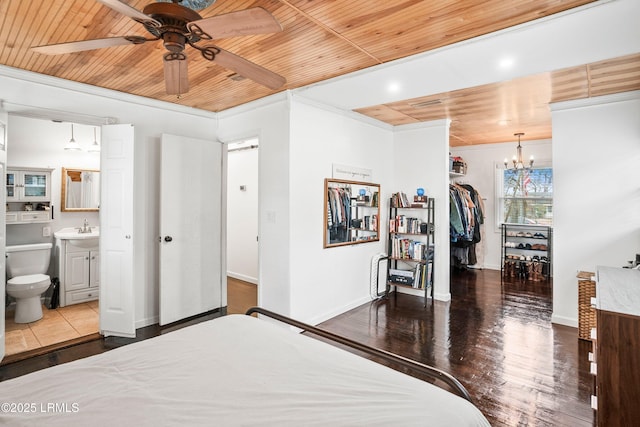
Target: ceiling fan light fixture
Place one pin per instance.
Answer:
(72, 145)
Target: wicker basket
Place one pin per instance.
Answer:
(586, 313)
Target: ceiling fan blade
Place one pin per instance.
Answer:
(245, 22)
(129, 11)
(249, 69)
(79, 46)
(176, 78)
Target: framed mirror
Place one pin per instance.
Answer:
(351, 212)
(80, 190)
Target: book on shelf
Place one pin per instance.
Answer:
(408, 249)
(417, 278)
(370, 223)
(400, 200)
(404, 224)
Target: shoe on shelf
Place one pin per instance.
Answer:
(528, 235)
(521, 246)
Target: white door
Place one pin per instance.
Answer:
(190, 222)
(117, 309)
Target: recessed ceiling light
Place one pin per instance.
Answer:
(393, 87)
(506, 63)
(504, 122)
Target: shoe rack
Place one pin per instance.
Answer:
(526, 252)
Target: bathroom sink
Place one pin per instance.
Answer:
(74, 237)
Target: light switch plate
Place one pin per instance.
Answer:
(46, 231)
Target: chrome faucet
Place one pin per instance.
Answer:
(85, 228)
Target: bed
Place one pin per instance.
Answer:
(235, 370)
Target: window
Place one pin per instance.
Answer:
(525, 196)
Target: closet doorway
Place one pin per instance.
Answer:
(242, 225)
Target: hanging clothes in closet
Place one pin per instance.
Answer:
(338, 214)
(465, 220)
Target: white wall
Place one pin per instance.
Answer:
(268, 120)
(421, 159)
(242, 215)
(326, 282)
(58, 98)
(596, 158)
(482, 161)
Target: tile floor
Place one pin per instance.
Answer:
(59, 325)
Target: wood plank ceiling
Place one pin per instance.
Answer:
(321, 39)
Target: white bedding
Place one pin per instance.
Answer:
(232, 371)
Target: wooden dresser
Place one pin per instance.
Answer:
(617, 347)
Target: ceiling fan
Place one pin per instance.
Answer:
(178, 26)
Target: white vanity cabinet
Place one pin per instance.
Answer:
(79, 271)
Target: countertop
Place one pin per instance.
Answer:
(618, 290)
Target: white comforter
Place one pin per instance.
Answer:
(232, 371)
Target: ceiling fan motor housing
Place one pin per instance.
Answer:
(173, 29)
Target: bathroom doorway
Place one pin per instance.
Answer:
(40, 143)
(242, 225)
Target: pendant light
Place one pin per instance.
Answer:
(72, 145)
(95, 147)
(518, 163)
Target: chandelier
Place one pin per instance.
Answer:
(518, 163)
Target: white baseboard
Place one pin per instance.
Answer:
(153, 320)
(566, 321)
(243, 277)
(333, 313)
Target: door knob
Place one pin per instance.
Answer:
(168, 238)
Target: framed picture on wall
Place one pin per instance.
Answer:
(3, 136)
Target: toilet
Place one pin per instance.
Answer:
(26, 265)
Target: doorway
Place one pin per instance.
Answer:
(242, 225)
(40, 143)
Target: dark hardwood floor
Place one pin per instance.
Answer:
(498, 340)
